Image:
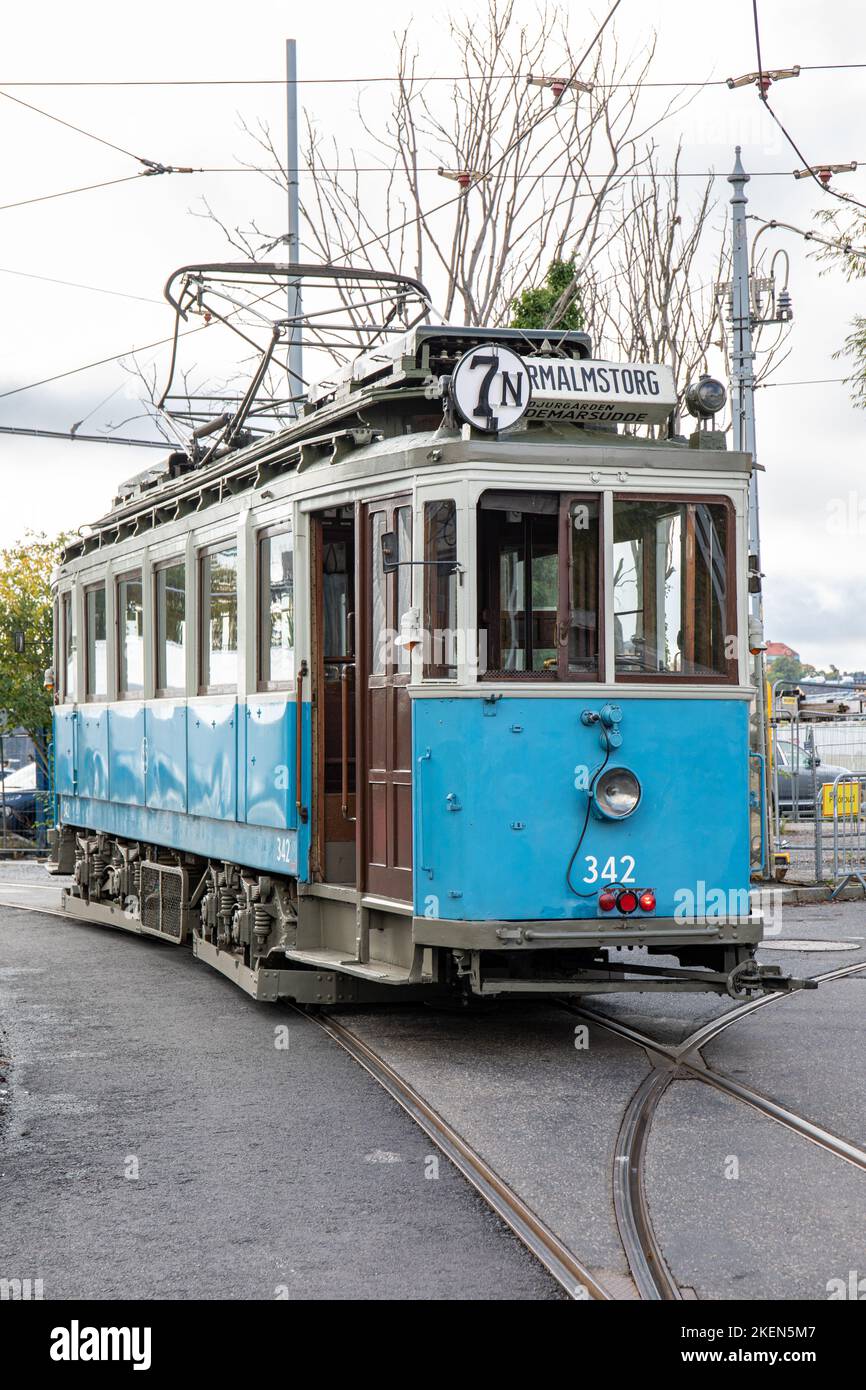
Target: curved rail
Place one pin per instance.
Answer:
(643, 1252)
(577, 1280)
(649, 1270)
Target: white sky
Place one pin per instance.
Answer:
(128, 238)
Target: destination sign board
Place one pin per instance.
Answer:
(493, 387)
(621, 393)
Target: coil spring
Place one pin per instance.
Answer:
(227, 902)
(261, 922)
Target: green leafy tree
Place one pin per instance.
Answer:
(788, 668)
(554, 304)
(848, 254)
(26, 622)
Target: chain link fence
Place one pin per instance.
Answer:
(817, 781)
(27, 804)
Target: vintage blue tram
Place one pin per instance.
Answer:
(437, 688)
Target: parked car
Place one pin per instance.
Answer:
(796, 767)
(19, 799)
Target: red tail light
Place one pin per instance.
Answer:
(607, 900)
(627, 900)
(647, 900)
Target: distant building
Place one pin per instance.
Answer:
(775, 649)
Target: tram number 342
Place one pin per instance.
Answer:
(612, 871)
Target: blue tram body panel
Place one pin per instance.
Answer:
(212, 759)
(270, 784)
(214, 778)
(498, 814)
(166, 774)
(92, 754)
(126, 752)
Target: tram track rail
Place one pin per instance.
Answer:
(571, 1274)
(648, 1266)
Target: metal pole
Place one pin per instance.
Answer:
(816, 802)
(3, 786)
(743, 396)
(293, 241)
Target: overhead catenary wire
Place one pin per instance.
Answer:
(152, 166)
(448, 202)
(128, 352)
(816, 381)
(825, 188)
(67, 192)
(100, 140)
(313, 170)
(76, 285)
(373, 78)
(378, 169)
(87, 366)
(844, 246)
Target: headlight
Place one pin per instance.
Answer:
(617, 793)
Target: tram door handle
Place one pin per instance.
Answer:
(344, 739)
(299, 743)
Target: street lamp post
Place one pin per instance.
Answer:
(743, 399)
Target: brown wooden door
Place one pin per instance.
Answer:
(387, 717)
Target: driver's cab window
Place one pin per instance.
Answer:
(672, 589)
(539, 586)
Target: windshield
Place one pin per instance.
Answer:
(540, 581)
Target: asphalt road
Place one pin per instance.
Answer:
(155, 1143)
(265, 1170)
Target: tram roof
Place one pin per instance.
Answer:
(382, 403)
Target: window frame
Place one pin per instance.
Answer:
(229, 542)
(137, 571)
(563, 618)
(432, 671)
(92, 697)
(732, 626)
(560, 674)
(66, 627)
(393, 670)
(266, 533)
(170, 691)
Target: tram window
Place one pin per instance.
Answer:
(521, 541)
(583, 607)
(69, 644)
(538, 586)
(130, 636)
(170, 607)
(671, 588)
(276, 610)
(219, 606)
(440, 590)
(96, 645)
(378, 614)
(403, 527)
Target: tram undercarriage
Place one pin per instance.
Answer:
(315, 945)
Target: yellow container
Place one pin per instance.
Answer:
(847, 799)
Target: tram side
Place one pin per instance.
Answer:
(566, 794)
